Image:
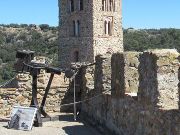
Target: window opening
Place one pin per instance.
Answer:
(76, 56)
(71, 5)
(108, 25)
(81, 5)
(74, 28)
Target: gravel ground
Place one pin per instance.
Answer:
(63, 127)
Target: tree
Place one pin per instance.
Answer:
(44, 26)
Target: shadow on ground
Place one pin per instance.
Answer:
(80, 130)
(68, 118)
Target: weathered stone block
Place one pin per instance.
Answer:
(158, 82)
(118, 79)
(102, 73)
(20, 98)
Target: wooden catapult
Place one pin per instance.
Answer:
(25, 64)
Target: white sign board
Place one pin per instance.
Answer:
(22, 118)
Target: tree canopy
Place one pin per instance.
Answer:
(43, 40)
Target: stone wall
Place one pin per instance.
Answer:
(158, 72)
(21, 93)
(155, 110)
(133, 93)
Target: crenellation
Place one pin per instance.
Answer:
(103, 73)
(130, 93)
(125, 76)
(156, 82)
(159, 79)
(118, 75)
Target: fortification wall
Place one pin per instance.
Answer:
(21, 93)
(134, 93)
(155, 109)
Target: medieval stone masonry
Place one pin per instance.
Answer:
(88, 28)
(126, 93)
(131, 93)
(154, 77)
(134, 93)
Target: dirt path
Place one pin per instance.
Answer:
(66, 126)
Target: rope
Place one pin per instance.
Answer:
(89, 99)
(7, 82)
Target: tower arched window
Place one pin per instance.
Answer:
(111, 5)
(76, 28)
(71, 5)
(108, 5)
(114, 6)
(109, 28)
(76, 56)
(81, 5)
(108, 25)
(103, 5)
(105, 27)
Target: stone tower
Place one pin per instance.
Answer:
(88, 28)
